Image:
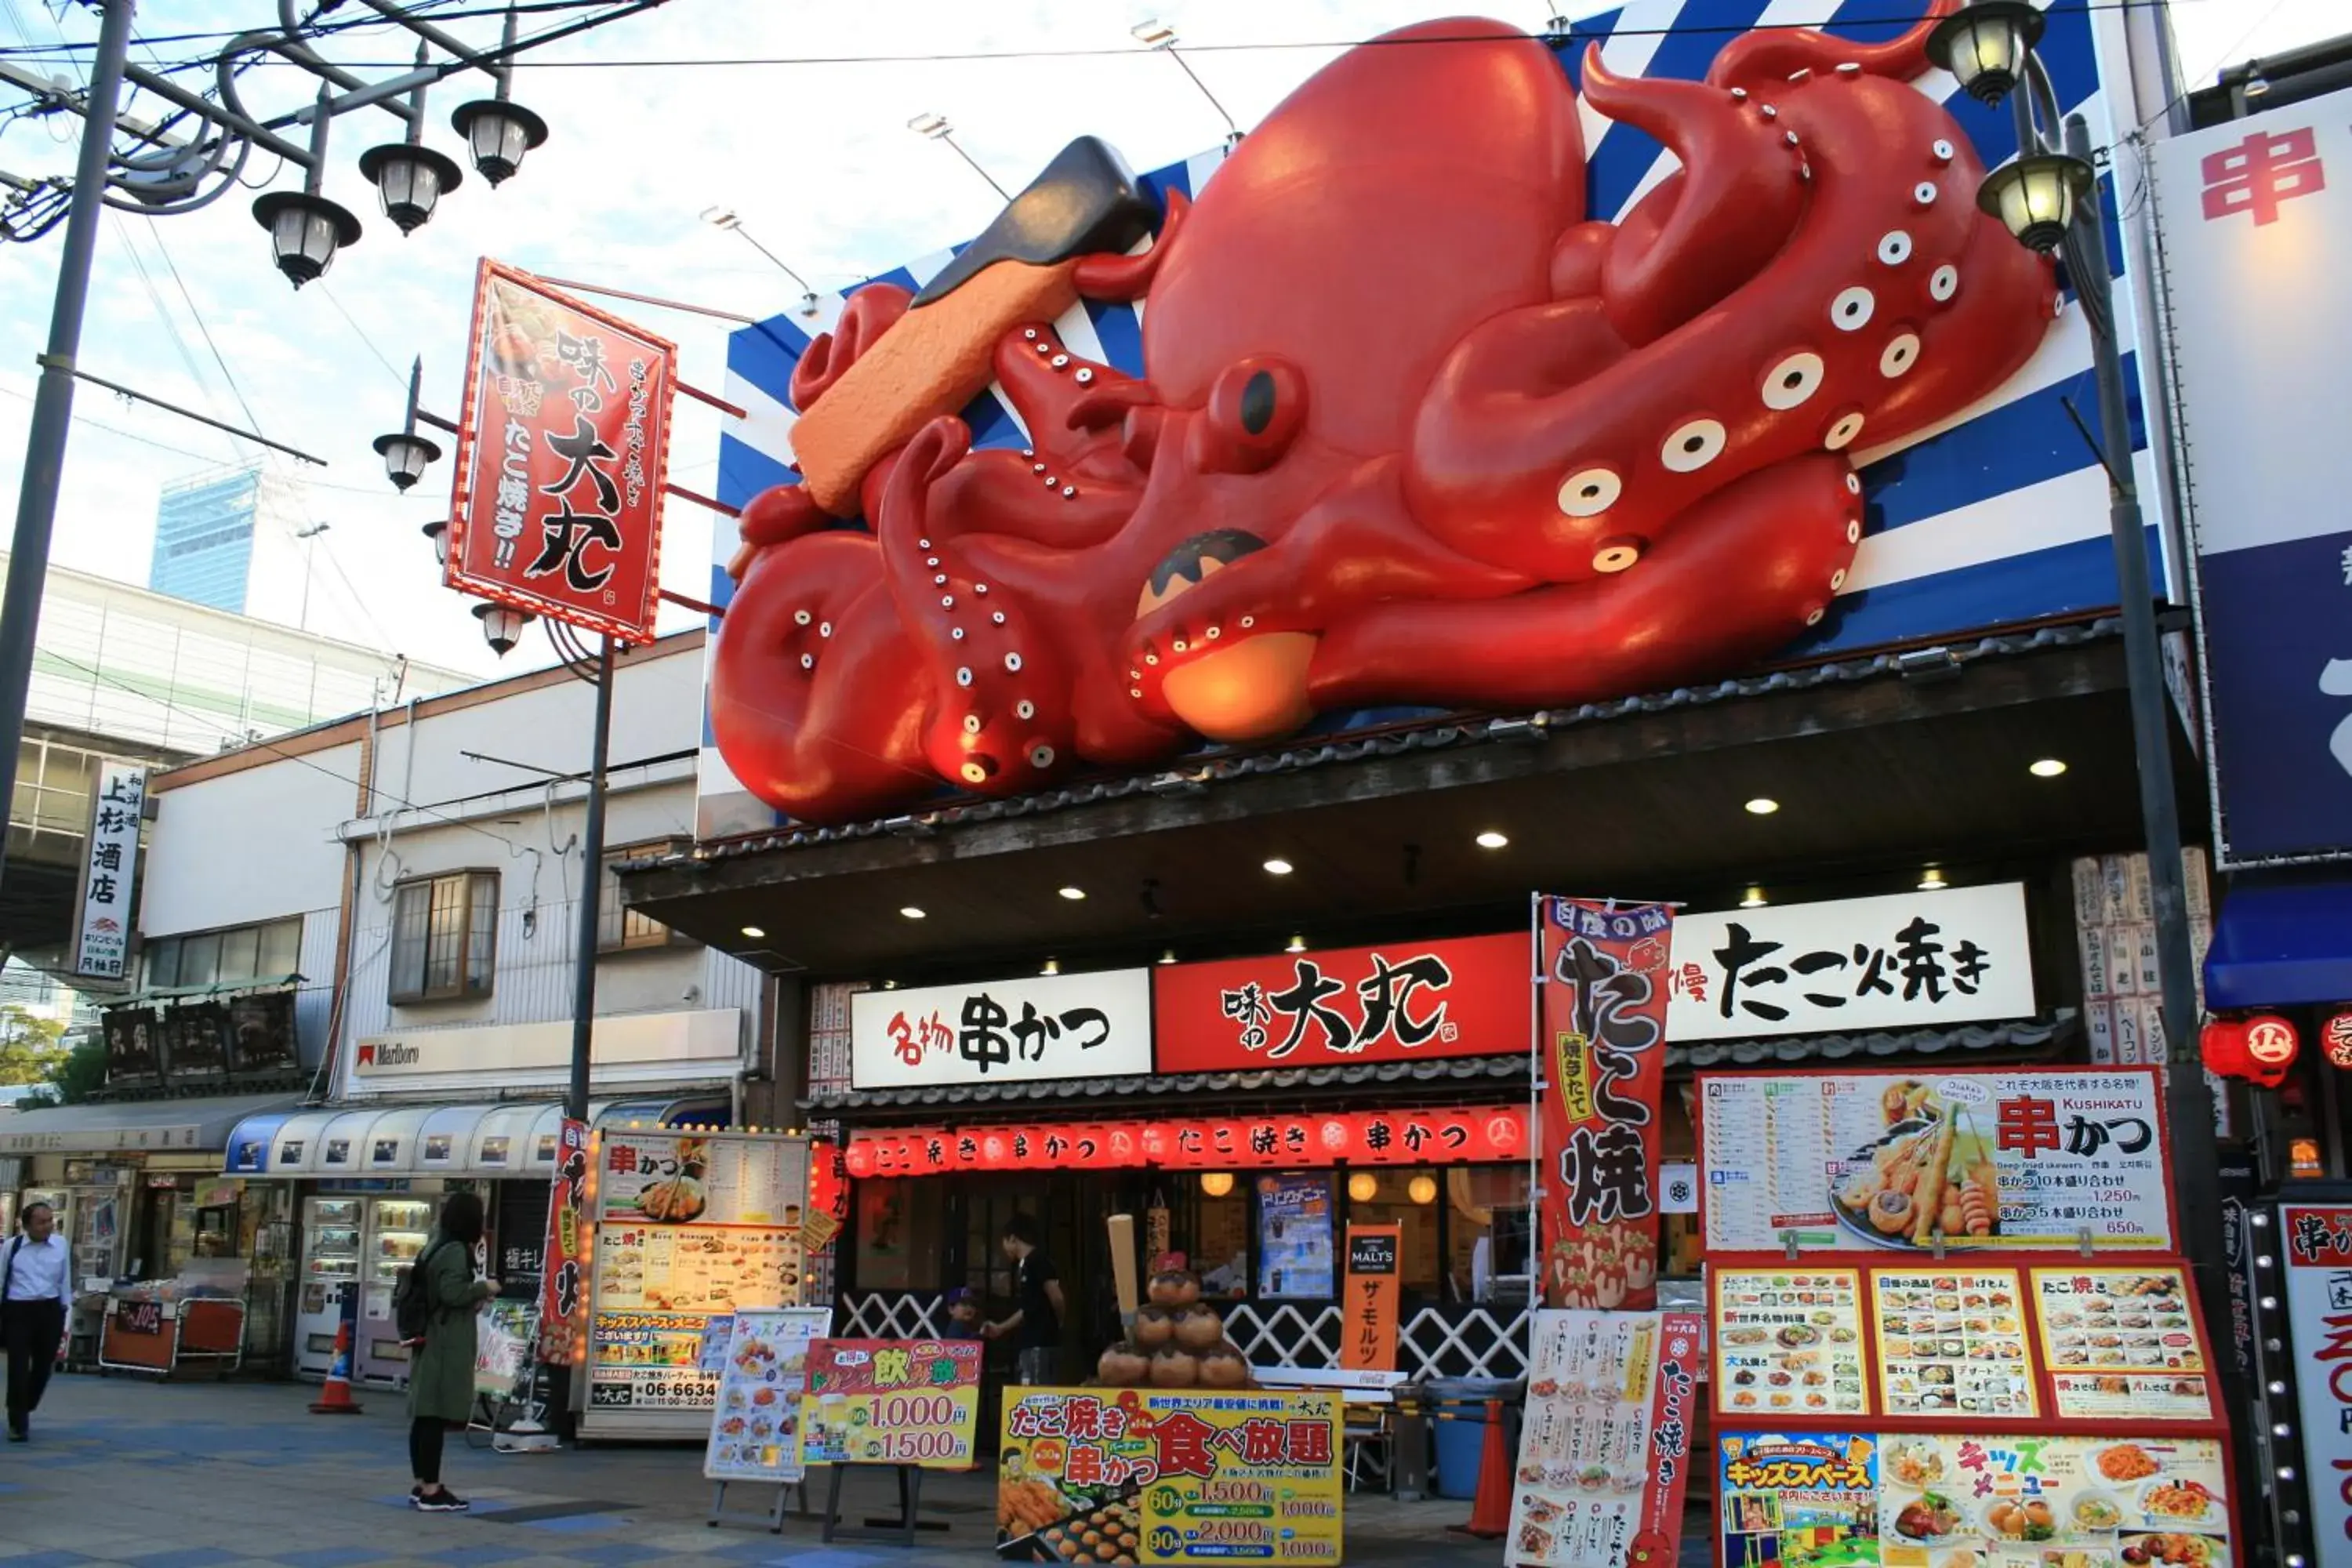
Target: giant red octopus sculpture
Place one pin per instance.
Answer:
(1416, 428)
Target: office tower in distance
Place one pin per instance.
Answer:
(228, 539)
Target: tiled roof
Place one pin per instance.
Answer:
(1198, 773)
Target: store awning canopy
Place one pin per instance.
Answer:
(156, 996)
(504, 1139)
(2282, 941)
(114, 1126)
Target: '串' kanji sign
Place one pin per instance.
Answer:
(1907, 961)
(2318, 1240)
(563, 449)
(1002, 1031)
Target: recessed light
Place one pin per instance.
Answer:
(1074, 894)
(911, 911)
(754, 932)
(2047, 768)
(1932, 881)
(1168, 957)
(1754, 901)
(1490, 839)
(1295, 944)
(1053, 966)
(1278, 867)
(1762, 805)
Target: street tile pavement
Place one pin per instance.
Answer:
(129, 1471)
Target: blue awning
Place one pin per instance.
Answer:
(2281, 942)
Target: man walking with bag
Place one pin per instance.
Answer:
(36, 1301)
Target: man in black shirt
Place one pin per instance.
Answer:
(1037, 1320)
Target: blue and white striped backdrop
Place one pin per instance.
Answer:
(1996, 517)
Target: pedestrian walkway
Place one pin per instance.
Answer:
(229, 1476)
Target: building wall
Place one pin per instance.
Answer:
(203, 538)
(255, 844)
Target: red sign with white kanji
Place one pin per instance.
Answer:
(1466, 996)
(562, 451)
(1474, 1135)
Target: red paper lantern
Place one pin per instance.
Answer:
(2271, 1045)
(1155, 1141)
(1505, 1131)
(860, 1158)
(1335, 1135)
(2336, 1038)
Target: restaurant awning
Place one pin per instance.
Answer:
(156, 996)
(487, 1140)
(133, 1125)
(2283, 940)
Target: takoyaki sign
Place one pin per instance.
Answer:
(2019, 1160)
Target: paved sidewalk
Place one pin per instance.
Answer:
(125, 1470)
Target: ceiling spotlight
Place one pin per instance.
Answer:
(1762, 805)
(1168, 956)
(931, 125)
(1932, 881)
(1490, 839)
(1052, 966)
(1295, 944)
(1754, 899)
(911, 911)
(1278, 867)
(754, 932)
(2047, 768)
(1073, 894)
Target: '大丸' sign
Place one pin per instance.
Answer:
(1907, 961)
(1002, 1031)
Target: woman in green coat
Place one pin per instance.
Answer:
(441, 1370)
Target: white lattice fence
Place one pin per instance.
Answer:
(1435, 1342)
(897, 1315)
(1285, 1335)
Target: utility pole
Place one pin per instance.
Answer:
(592, 889)
(45, 450)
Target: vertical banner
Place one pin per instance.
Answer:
(2319, 1310)
(561, 1298)
(110, 872)
(1605, 1445)
(1601, 1006)
(1369, 1300)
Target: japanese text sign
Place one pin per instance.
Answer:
(1367, 1298)
(1171, 1476)
(1822, 1486)
(755, 1422)
(2254, 222)
(647, 1361)
(1904, 962)
(1463, 1135)
(2318, 1240)
(664, 1178)
(561, 1292)
(562, 451)
(1397, 1003)
(1004, 1031)
(2018, 1159)
(110, 872)
(891, 1401)
(1605, 1443)
(1600, 1054)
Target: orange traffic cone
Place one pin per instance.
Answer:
(1490, 1511)
(336, 1399)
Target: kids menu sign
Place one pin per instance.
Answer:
(2024, 1159)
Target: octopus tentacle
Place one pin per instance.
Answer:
(870, 312)
(1755, 60)
(1125, 278)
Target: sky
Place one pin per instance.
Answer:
(815, 157)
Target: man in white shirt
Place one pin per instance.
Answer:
(36, 1300)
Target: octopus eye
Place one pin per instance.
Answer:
(1842, 433)
(1041, 756)
(1257, 405)
(1900, 354)
(1850, 311)
(1588, 492)
(1692, 445)
(1792, 381)
(1257, 408)
(1944, 283)
(1894, 247)
(1024, 708)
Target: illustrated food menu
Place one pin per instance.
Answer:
(2064, 1502)
(1951, 1342)
(2120, 1345)
(1584, 1454)
(696, 1270)
(1789, 1342)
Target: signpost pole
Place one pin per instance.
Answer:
(591, 889)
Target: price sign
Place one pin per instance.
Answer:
(891, 1401)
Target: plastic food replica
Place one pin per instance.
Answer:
(1416, 427)
(1180, 1343)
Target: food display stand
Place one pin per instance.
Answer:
(1950, 1328)
(688, 1226)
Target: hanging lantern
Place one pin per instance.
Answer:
(2336, 1038)
(860, 1159)
(2223, 1045)
(2271, 1045)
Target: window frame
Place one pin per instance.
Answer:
(613, 918)
(151, 950)
(465, 984)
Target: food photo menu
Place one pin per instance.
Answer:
(1951, 1342)
(1789, 1342)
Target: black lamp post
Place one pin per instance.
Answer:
(497, 132)
(410, 177)
(405, 453)
(306, 228)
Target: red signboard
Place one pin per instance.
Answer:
(1601, 1050)
(561, 1295)
(1464, 997)
(563, 447)
(1462, 1136)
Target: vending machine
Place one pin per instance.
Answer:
(394, 1234)
(330, 1265)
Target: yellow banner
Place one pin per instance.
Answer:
(1148, 1476)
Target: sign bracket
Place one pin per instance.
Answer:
(773, 1518)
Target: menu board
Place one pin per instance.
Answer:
(1817, 1489)
(1294, 1237)
(647, 1361)
(503, 1331)
(1951, 1342)
(2021, 1160)
(1152, 1476)
(755, 1423)
(1596, 1472)
(891, 1401)
(2121, 1344)
(2053, 1503)
(702, 1268)
(1789, 1342)
(664, 1178)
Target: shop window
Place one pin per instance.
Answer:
(1217, 1244)
(1486, 1230)
(624, 930)
(444, 936)
(1408, 1199)
(902, 1234)
(236, 956)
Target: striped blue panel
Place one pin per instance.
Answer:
(1997, 520)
